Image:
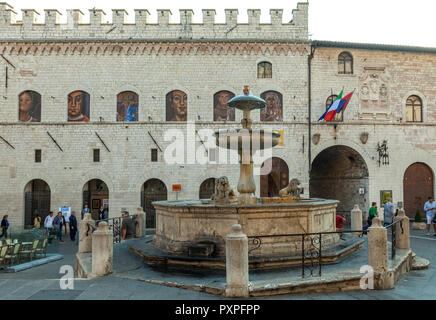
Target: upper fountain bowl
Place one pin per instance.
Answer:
(247, 102)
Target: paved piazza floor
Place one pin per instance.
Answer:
(43, 282)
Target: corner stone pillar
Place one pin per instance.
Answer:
(85, 241)
(140, 225)
(237, 263)
(378, 255)
(102, 250)
(356, 218)
(403, 230)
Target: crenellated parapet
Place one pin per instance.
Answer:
(98, 28)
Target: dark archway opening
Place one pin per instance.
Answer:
(37, 197)
(340, 173)
(96, 194)
(152, 190)
(207, 188)
(276, 179)
(418, 185)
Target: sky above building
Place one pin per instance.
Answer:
(400, 22)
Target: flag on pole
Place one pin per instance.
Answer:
(331, 111)
(344, 102)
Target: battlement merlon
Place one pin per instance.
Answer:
(98, 27)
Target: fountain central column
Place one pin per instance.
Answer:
(246, 184)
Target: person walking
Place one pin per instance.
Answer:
(58, 223)
(429, 209)
(73, 226)
(340, 220)
(37, 222)
(388, 212)
(127, 226)
(85, 210)
(101, 213)
(48, 225)
(4, 226)
(372, 213)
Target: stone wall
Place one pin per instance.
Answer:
(105, 66)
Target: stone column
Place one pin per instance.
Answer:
(356, 218)
(85, 241)
(102, 250)
(237, 263)
(140, 223)
(402, 234)
(378, 255)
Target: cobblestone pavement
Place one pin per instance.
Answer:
(43, 282)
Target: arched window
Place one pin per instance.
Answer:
(127, 106)
(414, 109)
(264, 70)
(176, 106)
(345, 63)
(78, 106)
(339, 116)
(29, 106)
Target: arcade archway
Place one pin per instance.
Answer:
(152, 190)
(418, 185)
(36, 201)
(95, 194)
(276, 179)
(207, 188)
(341, 173)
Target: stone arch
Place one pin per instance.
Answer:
(37, 198)
(418, 185)
(274, 177)
(95, 193)
(339, 173)
(207, 188)
(152, 190)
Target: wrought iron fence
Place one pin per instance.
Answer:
(115, 224)
(311, 248)
(393, 227)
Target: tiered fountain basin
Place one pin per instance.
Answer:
(184, 225)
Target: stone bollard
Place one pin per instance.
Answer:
(402, 237)
(356, 218)
(140, 223)
(102, 250)
(85, 235)
(237, 263)
(378, 255)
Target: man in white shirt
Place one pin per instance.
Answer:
(48, 223)
(429, 209)
(388, 212)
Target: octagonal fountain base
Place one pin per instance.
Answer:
(194, 232)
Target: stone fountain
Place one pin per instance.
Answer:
(193, 232)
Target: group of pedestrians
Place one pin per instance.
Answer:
(389, 213)
(55, 225)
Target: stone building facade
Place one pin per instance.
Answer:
(49, 160)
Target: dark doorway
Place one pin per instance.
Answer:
(340, 173)
(95, 194)
(36, 201)
(207, 188)
(417, 187)
(152, 190)
(276, 179)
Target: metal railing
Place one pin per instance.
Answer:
(311, 248)
(115, 224)
(393, 227)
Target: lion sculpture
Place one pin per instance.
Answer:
(292, 189)
(223, 192)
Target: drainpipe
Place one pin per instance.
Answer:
(309, 69)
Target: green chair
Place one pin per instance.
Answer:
(3, 252)
(31, 250)
(42, 250)
(13, 256)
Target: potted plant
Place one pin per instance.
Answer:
(418, 224)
